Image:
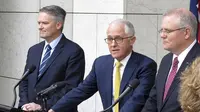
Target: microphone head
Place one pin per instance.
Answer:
(32, 68)
(134, 83)
(59, 84)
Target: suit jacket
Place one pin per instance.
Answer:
(171, 104)
(100, 79)
(67, 63)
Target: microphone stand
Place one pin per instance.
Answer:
(15, 96)
(117, 100)
(29, 70)
(44, 99)
(132, 85)
(43, 95)
(14, 89)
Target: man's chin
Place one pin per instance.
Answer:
(115, 56)
(167, 48)
(43, 36)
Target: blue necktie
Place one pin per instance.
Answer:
(45, 60)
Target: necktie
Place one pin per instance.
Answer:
(117, 85)
(44, 60)
(171, 77)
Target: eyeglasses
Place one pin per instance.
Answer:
(117, 39)
(167, 31)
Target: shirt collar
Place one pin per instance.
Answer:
(54, 43)
(124, 61)
(183, 54)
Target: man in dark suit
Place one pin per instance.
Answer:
(178, 31)
(56, 59)
(103, 76)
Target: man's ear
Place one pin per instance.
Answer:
(132, 40)
(187, 33)
(59, 25)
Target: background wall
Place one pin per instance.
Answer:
(86, 24)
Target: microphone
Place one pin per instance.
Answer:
(28, 71)
(132, 85)
(44, 94)
(51, 88)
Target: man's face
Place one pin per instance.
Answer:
(48, 27)
(119, 50)
(173, 36)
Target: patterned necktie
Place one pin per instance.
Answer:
(117, 85)
(44, 60)
(171, 77)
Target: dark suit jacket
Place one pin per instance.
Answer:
(155, 101)
(67, 63)
(100, 79)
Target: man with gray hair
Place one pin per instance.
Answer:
(178, 31)
(57, 59)
(111, 74)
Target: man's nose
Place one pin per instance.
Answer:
(163, 35)
(40, 26)
(113, 43)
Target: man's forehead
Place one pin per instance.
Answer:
(170, 21)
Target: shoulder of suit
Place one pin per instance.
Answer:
(70, 43)
(103, 57)
(168, 57)
(38, 45)
(142, 57)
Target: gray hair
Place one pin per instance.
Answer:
(129, 28)
(186, 19)
(55, 11)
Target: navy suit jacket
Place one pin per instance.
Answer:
(171, 104)
(100, 79)
(67, 63)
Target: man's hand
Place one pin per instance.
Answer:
(51, 110)
(31, 107)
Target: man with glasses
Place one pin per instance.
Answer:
(178, 31)
(111, 74)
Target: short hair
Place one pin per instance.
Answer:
(55, 11)
(128, 29)
(189, 96)
(186, 19)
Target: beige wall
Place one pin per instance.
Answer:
(86, 24)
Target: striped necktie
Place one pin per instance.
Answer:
(117, 84)
(45, 60)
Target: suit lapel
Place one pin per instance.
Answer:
(37, 58)
(193, 53)
(108, 80)
(128, 71)
(56, 52)
(162, 80)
